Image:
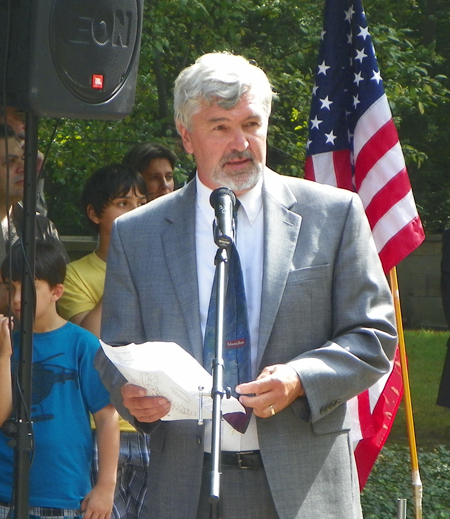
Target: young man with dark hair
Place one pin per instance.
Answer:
(110, 191)
(155, 163)
(66, 388)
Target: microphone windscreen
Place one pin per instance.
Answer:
(219, 193)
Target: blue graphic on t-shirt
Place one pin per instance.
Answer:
(45, 376)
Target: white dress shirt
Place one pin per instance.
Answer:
(250, 245)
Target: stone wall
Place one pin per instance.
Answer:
(419, 285)
(418, 279)
(78, 246)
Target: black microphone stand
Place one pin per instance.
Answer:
(218, 391)
(23, 432)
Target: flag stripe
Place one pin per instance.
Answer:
(332, 168)
(370, 122)
(399, 246)
(380, 158)
(343, 169)
(321, 169)
(392, 192)
(364, 415)
(393, 221)
(384, 411)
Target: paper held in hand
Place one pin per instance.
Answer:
(166, 369)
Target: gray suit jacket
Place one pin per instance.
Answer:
(326, 310)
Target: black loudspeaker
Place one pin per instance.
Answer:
(70, 58)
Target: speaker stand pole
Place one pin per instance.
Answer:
(24, 438)
(218, 391)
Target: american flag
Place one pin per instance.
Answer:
(353, 144)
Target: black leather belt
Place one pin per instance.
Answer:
(240, 460)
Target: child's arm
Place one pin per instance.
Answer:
(90, 320)
(99, 502)
(5, 370)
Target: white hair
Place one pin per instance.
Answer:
(221, 78)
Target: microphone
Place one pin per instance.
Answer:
(223, 201)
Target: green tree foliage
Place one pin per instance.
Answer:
(282, 36)
(414, 54)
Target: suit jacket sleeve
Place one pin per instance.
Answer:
(362, 336)
(121, 320)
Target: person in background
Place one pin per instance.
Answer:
(109, 192)
(443, 398)
(320, 314)
(15, 118)
(156, 164)
(66, 387)
(12, 178)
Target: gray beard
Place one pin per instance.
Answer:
(244, 180)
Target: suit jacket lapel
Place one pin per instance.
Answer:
(281, 230)
(179, 249)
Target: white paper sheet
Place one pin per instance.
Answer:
(166, 369)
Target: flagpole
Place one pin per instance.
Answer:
(416, 481)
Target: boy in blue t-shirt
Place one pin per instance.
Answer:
(66, 388)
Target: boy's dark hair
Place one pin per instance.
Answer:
(6, 132)
(140, 155)
(50, 263)
(110, 182)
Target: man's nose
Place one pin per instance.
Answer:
(239, 141)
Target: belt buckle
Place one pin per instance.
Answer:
(240, 460)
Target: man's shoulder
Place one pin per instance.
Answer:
(152, 213)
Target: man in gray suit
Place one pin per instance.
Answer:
(320, 313)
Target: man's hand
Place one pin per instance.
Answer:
(145, 408)
(275, 388)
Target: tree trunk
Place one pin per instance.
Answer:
(429, 28)
(162, 90)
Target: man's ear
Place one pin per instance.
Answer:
(90, 211)
(185, 138)
(58, 291)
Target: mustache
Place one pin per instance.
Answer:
(239, 155)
